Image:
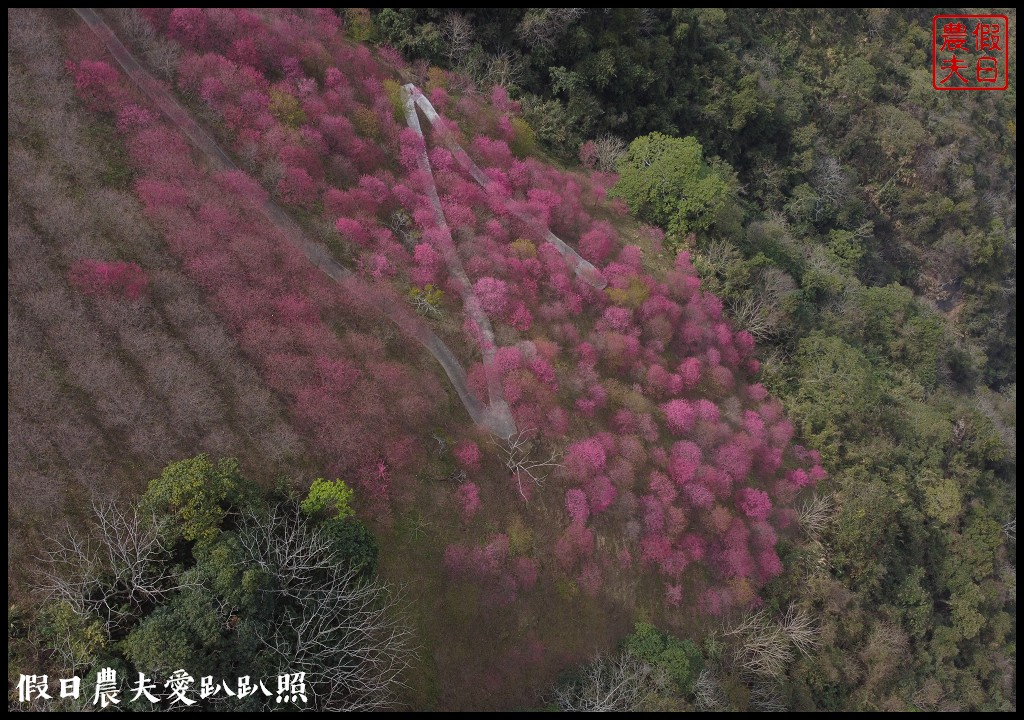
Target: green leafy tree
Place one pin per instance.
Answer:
(286, 108)
(665, 180)
(681, 660)
(350, 538)
(198, 494)
(333, 498)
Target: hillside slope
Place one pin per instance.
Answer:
(309, 254)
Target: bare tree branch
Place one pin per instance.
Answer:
(162, 54)
(767, 645)
(765, 649)
(343, 631)
(113, 570)
(708, 693)
(517, 453)
(815, 514)
(765, 696)
(801, 629)
(832, 184)
(504, 68)
(457, 33)
(615, 684)
(608, 150)
(421, 303)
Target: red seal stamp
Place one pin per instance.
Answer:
(970, 52)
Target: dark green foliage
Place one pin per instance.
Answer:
(354, 541)
(679, 659)
(233, 602)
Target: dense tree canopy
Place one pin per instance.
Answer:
(665, 181)
(757, 442)
(209, 577)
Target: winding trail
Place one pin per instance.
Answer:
(496, 417)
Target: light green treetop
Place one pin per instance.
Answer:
(328, 495)
(665, 181)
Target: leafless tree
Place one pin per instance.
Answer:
(765, 696)
(541, 27)
(930, 695)
(708, 694)
(815, 514)
(754, 315)
(766, 646)
(760, 312)
(161, 54)
(440, 444)
(111, 571)
(716, 257)
(164, 57)
(884, 654)
(800, 629)
(133, 25)
(504, 68)
(271, 173)
(457, 34)
(517, 452)
(344, 631)
(764, 649)
(831, 182)
(402, 226)
(609, 684)
(608, 150)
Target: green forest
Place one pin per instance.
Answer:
(863, 227)
(744, 441)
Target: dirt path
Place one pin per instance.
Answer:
(485, 333)
(583, 268)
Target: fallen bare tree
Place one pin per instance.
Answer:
(766, 644)
(518, 454)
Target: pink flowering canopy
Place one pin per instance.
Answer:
(631, 376)
(109, 278)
